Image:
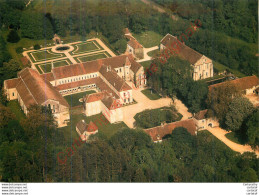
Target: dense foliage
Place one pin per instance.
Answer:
(153, 118)
(174, 78)
(29, 148)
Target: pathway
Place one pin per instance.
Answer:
(145, 103)
(146, 56)
(220, 134)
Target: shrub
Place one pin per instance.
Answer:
(19, 50)
(37, 46)
(13, 37)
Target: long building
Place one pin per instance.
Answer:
(104, 75)
(202, 65)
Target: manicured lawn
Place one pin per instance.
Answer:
(151, 94)
(235, 138)
(85, 47)
(73, 100)
(46, 67)
(42, 55)
(16, 109)
(154, 117)
(90, 57)
(148, 38)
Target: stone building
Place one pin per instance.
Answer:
(85, 130)
(32, 88)
(159, 133)
(202, 65)
(203, 122)
(135, 48)
(104, 75)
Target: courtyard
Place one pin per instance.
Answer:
(67, 54)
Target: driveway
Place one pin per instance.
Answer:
(220, 134)
(145, 103)
(146, 56)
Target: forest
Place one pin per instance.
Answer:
(29, 150)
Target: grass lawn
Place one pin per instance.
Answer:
(42, 55)
(46, 67)
(235, 138)
(16, 109)
(153, 53)
(91, 57)
(148, 38)
(154, 117)
(104, 127)
(151, 96)
(85, 47)
(73, 100)
(220, 68)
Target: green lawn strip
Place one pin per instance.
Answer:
(220, 68)
(235, 138)
(38, 68)
(90, 57)
(148, 38)
(73, 100)
(16, 109)
(46, 67)
(151, 96)
(43, 55)
(154, 117)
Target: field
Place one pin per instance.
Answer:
(151, 96)
(148, 38)
(73, 100)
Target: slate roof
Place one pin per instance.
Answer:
(158, 133)
(185, 52)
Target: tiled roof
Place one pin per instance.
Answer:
(114, 79)
(158, 133)
(82, 126)
(134, 44)
(25, 60)
(76, 84)
(94, 66)
(241, 83)
(11, 83)
(126, 31)
(48, 76)
(104, 87)
(94, 97)
(201, 115)
(185, 52)
(40, 89)
(76, 69)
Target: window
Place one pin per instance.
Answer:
(53, 108)
(124, 100)
(120, 69)
(206, 73)
(13, 93)
(90, 76)
(128, 100)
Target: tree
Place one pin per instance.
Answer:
(252, 129)
(219, 99)
(13, 37)
(239, 109)
(120, 45)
